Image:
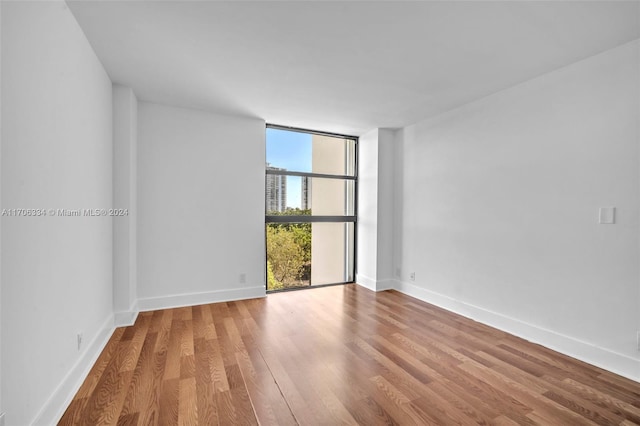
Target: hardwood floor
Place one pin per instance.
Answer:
(339, 355)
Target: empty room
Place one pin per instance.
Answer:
(319, 212)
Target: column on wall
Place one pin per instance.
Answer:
(375, 209)
(125, 124)
(1, 411)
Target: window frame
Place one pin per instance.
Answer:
(318, 219)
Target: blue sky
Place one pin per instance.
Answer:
(292, 151)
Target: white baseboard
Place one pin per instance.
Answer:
(126, 318)
(54, 408)
(612, 361)
(388, 284)
(366, 282)
(374, 285)
(191, 299)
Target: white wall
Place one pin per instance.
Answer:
(200, 207)
(498, 214)
(125, 171)
(56, 154)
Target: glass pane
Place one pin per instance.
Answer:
(309, 153)
(296, 195)
(331, 253)
(307, 254)
(288, 255)
(287, 150)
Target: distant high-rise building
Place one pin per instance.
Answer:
(276, 191)
(305, 195)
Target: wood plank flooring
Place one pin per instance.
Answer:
(339, 355)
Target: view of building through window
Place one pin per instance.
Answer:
(310, 189)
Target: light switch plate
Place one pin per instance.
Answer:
(607, 216)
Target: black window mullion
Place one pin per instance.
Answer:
(308, 219)
(307, 174)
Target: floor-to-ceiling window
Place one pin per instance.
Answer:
(310, 200)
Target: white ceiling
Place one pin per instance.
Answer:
(345, 67)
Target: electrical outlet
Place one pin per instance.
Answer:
(79, 337)
(607, 216)
(242, 278)
(398, 272)
(412, 276)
